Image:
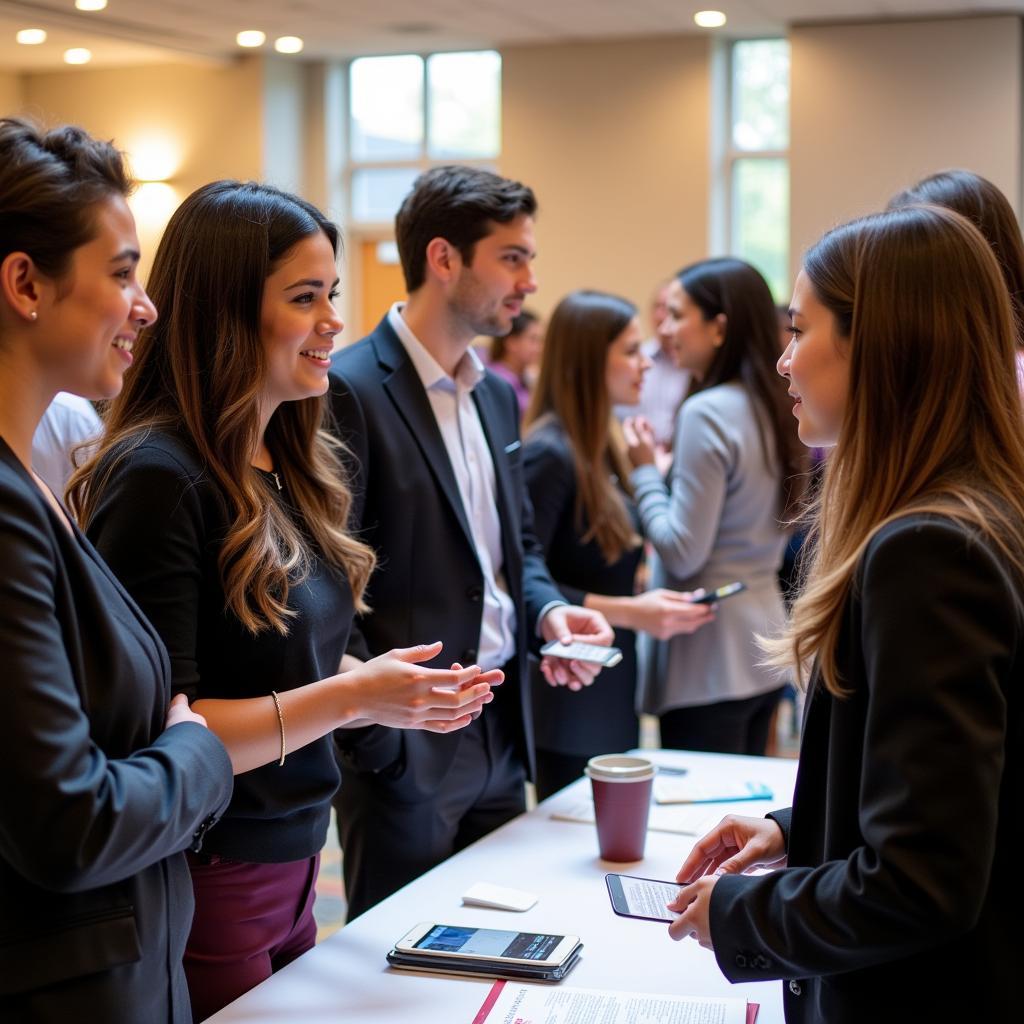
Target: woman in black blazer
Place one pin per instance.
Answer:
(901, 844)
(107, 779)
(575, 470)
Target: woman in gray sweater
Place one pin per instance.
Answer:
(737, 477)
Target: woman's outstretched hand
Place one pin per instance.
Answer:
(394, 689)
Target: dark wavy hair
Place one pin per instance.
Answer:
(200, 371)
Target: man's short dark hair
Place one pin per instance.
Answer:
(458, 204)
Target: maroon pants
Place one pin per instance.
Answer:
(250, 920)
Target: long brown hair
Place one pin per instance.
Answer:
(199, 371)
(933, 420)
(572, 387)
(977, 199)
(748, 353)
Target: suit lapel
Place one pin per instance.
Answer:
(403, 386)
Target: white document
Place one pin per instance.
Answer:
(536, 1004)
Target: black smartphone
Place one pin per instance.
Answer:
(728, 590)
(641, 897)
(456, 949)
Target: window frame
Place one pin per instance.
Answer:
(423, 161)
(724, 217)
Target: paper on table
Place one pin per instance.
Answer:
(535, 1004)
(682, 820)
(689, 790)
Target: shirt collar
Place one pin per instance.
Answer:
(469, 370)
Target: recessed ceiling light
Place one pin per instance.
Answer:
(288, 44)
(31, 36)
(710, 19)
(90, 5)
(77, 55)
(251, 37)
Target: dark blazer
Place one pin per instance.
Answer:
(904, 837)
(599, 719)
(428, 584)
(98, 798)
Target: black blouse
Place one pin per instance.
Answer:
(601, 718)
(159, 523)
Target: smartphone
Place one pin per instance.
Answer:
(455, 949)
(579, 651)
(641, 897)
(728, 590)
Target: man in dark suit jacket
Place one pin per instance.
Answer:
(438, 492)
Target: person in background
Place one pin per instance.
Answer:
(221, 502)
(902, 844)
(977, 199)
(69, 421)
(666, 384)
(514, 357)
(107, 779)
(737, 478)
(437, 473)
(577, 474)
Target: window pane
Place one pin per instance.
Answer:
(760, 94)
(377, 192)
(465, 105)
(760, 219)
(387, 108)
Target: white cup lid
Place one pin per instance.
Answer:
(619, 768)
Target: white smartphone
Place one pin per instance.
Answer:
(579, 651)
(455, 942)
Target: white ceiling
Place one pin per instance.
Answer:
(143, 31)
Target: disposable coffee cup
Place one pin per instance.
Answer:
(622, 800)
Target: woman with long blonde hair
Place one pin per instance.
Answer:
(220, 501)
(901, 844)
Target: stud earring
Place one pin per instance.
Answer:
(33, 315)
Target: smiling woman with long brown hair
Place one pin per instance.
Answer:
(902, 844)
(221, 502)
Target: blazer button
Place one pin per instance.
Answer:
(794, 987)
(741, 960)
(475, 594)
(468, 656)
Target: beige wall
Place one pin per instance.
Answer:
(613, 137)
(877, 107)
(10, 94)
(210, 119)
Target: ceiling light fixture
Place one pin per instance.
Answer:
(90, 5)
(77, 55)
(710, 19)
(251, 37)
(31, 36)
(288, 44)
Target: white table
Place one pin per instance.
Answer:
(346, 978)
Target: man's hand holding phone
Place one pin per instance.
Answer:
(568, 624)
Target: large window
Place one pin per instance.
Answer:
(408, 113)
(757, 158)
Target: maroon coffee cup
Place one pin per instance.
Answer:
(622, 799)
